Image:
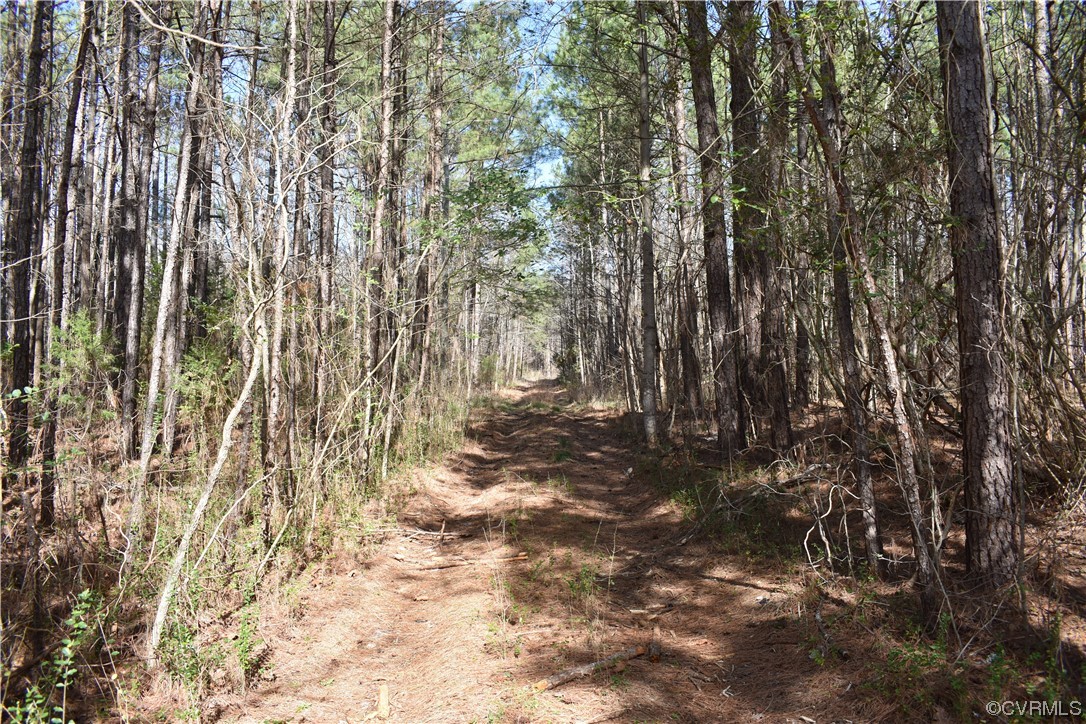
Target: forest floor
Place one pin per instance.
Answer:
(551, 541)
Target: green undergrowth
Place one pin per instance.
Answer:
(50, 696)
(234, 581)
(953, 671)
(926, 674)
(730, 508)
(244, 565)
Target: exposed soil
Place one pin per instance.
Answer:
(600, 571)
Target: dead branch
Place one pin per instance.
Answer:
(577, 672)
(726, 504)
(522, 556)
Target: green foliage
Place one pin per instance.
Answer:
(566, 361)
(564, 452)
(46, 700)
(84, 364)
(204, 382)
(247, 644)
(920, 668)
(582, 584)
(1055, 679)
(488, 371)
(181, 656)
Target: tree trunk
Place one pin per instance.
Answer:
(170, 295)
(926, 557)
(855, 410)
(974, 241)
(801, 271)
(686, 290)
(61, 251)
(277, 460)
(326, 243)
(433, 186)
(748, 203)
(24, 225)
(125, 242)
(134, 327)
(723, 333)
(377, 257)
(774, 351)
(648, 266)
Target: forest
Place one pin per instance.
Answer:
(563, 360)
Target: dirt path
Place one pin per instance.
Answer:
(459, 637)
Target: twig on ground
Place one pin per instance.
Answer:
(577, 672)
(522, 556)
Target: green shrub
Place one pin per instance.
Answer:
(84, 363)
(47, 699)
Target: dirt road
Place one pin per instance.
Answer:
(558, 549)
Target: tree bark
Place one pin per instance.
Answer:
(169, 297)
(125, 242)
(62, 232)
(648, 265)
(24, 225)
(774, 352)
(134, 326)
(926, 557)
(377, 257)
(433, 187)
(975, 245)
(731, 432)
(686, 290)
(855, 410)
(326, 244)
(748, 204)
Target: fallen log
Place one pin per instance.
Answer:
(577, 672)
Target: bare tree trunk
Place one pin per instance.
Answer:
(433, 187)
(377, 257)
(24, 225)
(748, 204)
(723, 333)
(134, 327)
(801, 273)
(326, 244)
(80, 292)
(277, 460)
(169, 297)
(648, 266)
(61, 251)
(125, 242)
(926, 557)
(974, 241)
(774, 352)
(686, 291)
(842, 305)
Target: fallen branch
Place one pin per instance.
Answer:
(437, 533)
(522, 556)
(562, 677)
(720, 579)
(812, 472)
